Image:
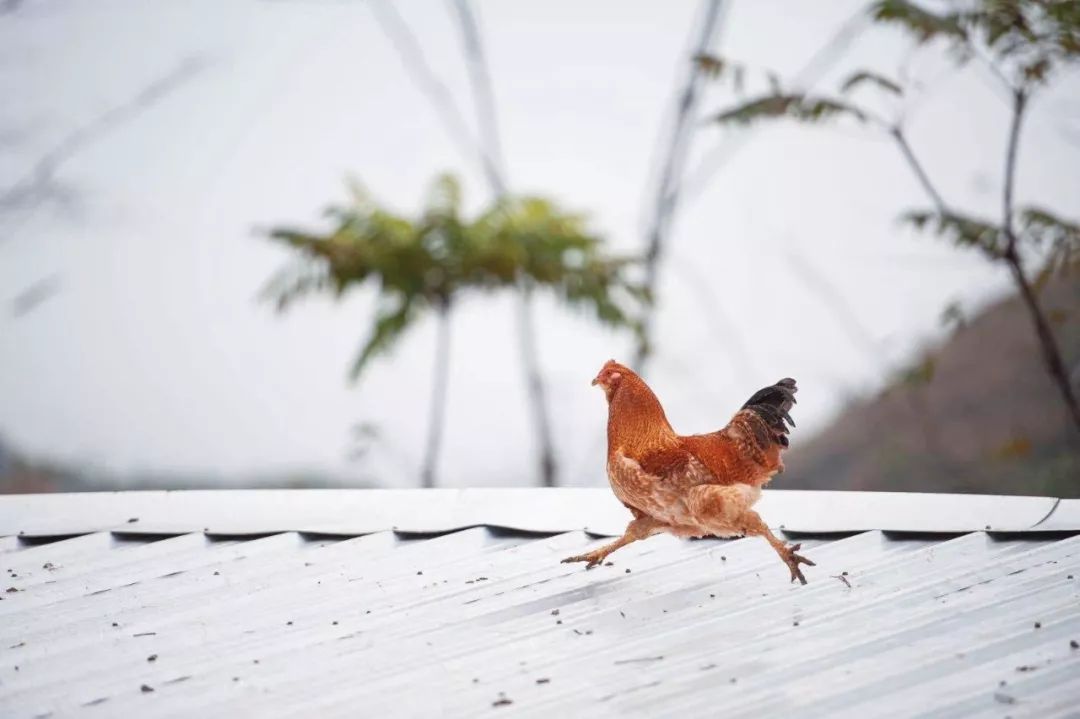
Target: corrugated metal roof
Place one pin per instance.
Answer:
(965, 623)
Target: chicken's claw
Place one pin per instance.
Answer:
(593, 558)
(793, 561)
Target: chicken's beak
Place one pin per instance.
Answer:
(595, 381)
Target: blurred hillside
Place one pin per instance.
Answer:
(977, 414)
(23, 475)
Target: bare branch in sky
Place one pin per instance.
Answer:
(40, 184)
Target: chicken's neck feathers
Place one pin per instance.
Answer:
(636, 421)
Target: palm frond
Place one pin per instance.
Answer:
(1059, 238)
(796, 106)
(923, 25)
(392, 318)
(961, 230)
(865, 77)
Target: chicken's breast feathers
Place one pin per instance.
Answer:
(656, 482)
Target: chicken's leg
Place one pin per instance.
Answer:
(750, 523)
(725, 511)
(640, 528)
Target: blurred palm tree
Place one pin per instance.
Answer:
(425, 264)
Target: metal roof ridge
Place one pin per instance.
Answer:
(351, 512)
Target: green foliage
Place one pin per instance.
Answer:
(961, 230)
(952, 317)
(392, 317)
(712, 66)
(865, 77)
(777, 103)
(1018, 447)
(920, 373)
(1059, 239)
(1048, 230)
(296, 281)
(424, 264)
(1029, 39)
(1024, 41)
(553, 249)
(922, 24)
(796, 106)
(1056, 238)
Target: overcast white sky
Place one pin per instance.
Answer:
(156, 354)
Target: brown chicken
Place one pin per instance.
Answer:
(698, 485)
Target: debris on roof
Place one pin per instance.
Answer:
(457, 621)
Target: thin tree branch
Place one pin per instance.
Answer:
(1049, 348)
(490, 149)
(819, 63)
(1048, 344)
(1051, 352)
(1019, 106)
(699, 177)
(437, 415)
(859, 334)
(988, 63)
(898, 136)
(814, 280)
(549, 470)
(725, 330)
(436, 91)
(30, 298)
(667, 192)
(39, 184)
(483, 97)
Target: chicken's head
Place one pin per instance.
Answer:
(610, 376)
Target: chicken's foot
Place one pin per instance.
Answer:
(725, 510)
(793, 560)
(595, 557)
(639, 528)
(755, 525)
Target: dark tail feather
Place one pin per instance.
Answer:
(773, 404)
